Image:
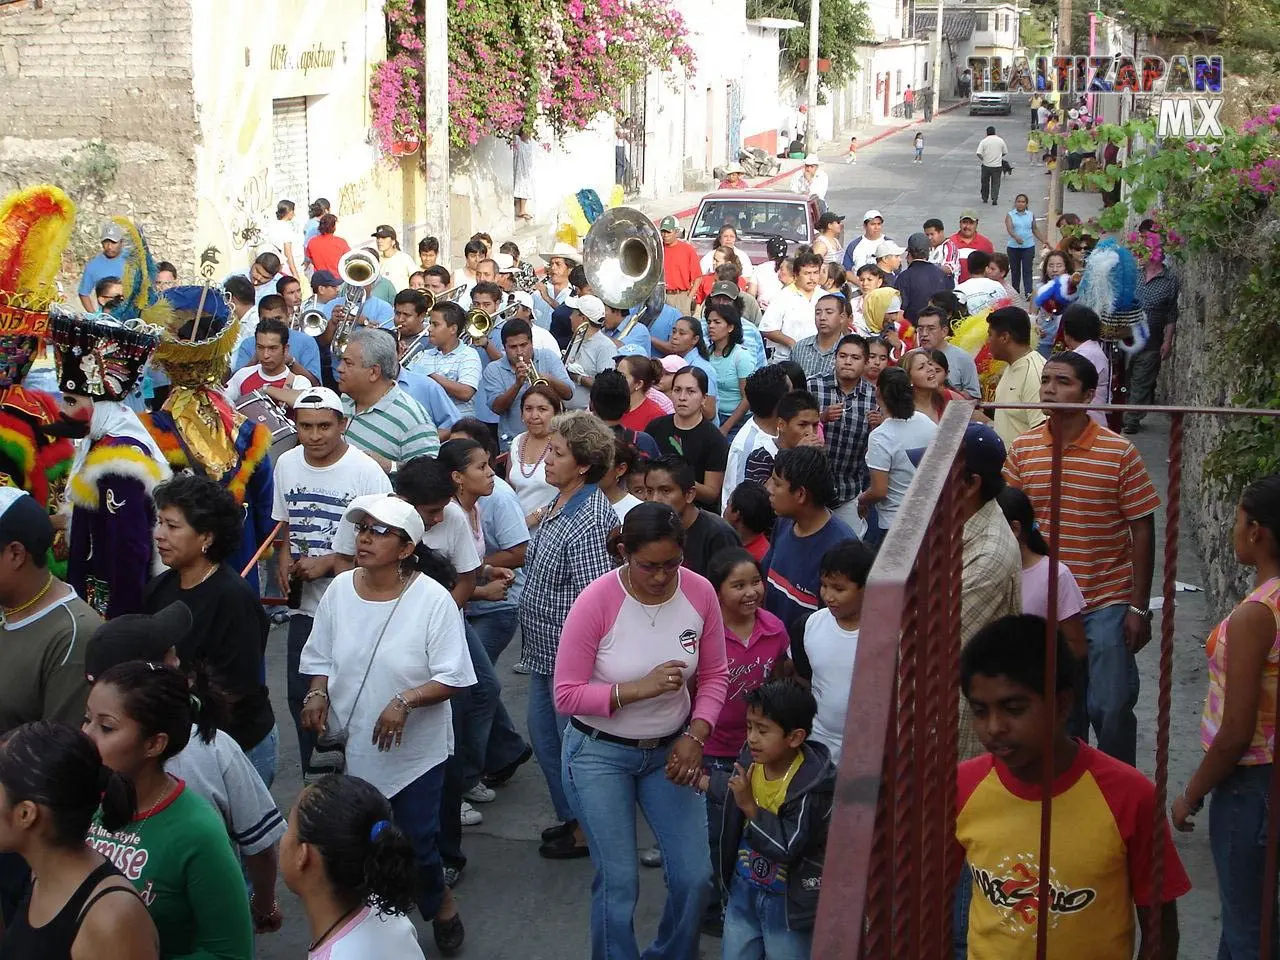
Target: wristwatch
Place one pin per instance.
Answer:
(1138, 611)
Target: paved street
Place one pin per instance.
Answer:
(516, 905)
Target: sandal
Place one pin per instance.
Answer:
(449, 934)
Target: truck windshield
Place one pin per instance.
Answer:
(753, 218)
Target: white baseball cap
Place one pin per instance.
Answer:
(872, 215)
(319, 398)
(506, 263)
(524, 298)
(391, 510)
(812, 160)
(887, 248)
(590, 307)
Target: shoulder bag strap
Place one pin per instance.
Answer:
(369, 666)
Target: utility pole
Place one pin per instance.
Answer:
(937, 60)
(435, 146)
(811, 83)
(1057, 186)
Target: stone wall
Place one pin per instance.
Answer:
(1196, 376)
(89, 85)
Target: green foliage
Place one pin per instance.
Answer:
(843, 26)
(89, 171)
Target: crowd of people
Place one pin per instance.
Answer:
(674, 505)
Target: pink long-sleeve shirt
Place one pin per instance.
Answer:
(609, 637)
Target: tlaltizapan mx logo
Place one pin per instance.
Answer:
(1189, 87)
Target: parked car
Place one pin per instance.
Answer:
(990, 101)
(757, 215)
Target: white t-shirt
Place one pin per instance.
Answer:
(831, 650)
(423, 641)
(529, 480)
(451, 536)
(313, 499)
(280, 233)
(980, 292)
(791, 313)
(623, 506)
(864, 251)
(397, 269)
(748, 439)
(370, 934)
(896, 447)
(248, 379)
(221, 773)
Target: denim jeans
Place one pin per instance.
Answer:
(450, 841)
(755, 926)
(715, 820)
(546, 730)
(416, 809)
(605, 782)
(264, 755)
(496, 630)
(488, 737)
(1238, 808)
(297, 685)
(960, 914)
(1112, 688)
(1021, 268)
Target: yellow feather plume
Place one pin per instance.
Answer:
(142, 299)
(568, 232)
(35, 225)
(577, 216)
(616, 196)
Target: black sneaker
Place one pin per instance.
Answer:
(559, 831)
(452, 876)
(499, 777)
(449, 934)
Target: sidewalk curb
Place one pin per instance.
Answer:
(763, 184)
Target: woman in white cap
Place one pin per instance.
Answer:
(379, 696)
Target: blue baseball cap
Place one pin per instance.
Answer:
(631, 350)
(324, 278)
(983, 450)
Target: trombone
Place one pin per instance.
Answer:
(448, 296)
(478, 324)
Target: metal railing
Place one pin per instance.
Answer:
(892, 862)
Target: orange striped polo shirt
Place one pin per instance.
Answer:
(1105, 487)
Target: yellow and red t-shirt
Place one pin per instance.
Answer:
(1100, 858)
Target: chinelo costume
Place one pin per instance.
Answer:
(197, 428)
(101, 356)
(35, 225)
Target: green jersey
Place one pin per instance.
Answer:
(180, 860)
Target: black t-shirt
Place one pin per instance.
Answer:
(708, 535)
(703, 447)
(229, 636)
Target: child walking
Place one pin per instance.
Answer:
(919, 147)
(774, 832)
(852, 156)
(1033, 148)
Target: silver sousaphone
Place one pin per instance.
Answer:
(622, 258)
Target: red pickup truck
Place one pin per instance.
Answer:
(757, 215)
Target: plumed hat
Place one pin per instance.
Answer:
(97, 356)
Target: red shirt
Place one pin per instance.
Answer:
(758, 547)
(680, 266)
(641, 416)
(324, 250)
(979, 242)
(706, 282)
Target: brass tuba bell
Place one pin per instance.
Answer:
(622, 257)
(478, 324)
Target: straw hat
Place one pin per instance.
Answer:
(563, 250)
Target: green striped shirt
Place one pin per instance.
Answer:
(396, 427)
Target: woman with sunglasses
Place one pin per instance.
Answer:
(384, 689)
(633, 643)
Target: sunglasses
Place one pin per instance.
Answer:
(379, 529)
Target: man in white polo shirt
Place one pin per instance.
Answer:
(790, 317)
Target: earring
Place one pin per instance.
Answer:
(204, 548)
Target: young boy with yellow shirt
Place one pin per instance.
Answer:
(773, 837)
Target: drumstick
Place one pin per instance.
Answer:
(253, 562)
(195, 324)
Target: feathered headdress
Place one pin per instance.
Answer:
(142, 301)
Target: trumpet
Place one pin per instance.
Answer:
(449, 296)
(533, 376)
(359, 270)
(479, 324)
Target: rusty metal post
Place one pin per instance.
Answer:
(906, 786)
(1044, 896)
(929, 719)
(948, 733)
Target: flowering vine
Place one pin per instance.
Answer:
(512, 62)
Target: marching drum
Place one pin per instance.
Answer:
(258, 406)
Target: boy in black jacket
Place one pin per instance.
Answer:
(773, 836)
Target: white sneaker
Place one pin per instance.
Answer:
(520, 667)
(471, 817)
(480, 794)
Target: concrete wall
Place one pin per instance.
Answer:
(114, 71)
(762, 113)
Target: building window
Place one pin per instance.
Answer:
(926, 71)
(897, 82)
(981, 22)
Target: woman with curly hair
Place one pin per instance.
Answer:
(197, 528)
(353, 869)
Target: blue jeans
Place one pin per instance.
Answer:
(546, 730)
(489, 738)
(264, 754)
(1112, 687)
(960, 914)
(1238, 810)
(416, 809)
(1022, 268)
(755, 926)
(605, 782)
(297, 685)
(496, 630)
